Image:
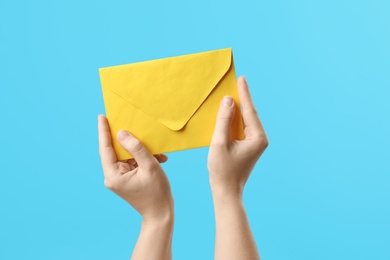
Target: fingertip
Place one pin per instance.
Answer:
(224, 120)
(227, 101)
(243, 89)
(102, 119)
(242, 80)
(163, 158)
(242, 84)
(102, 124)
(122, 135)
(136, 149)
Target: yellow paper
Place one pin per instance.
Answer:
(170, 104)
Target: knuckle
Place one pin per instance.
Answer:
(266, 142)
(219, 143)
(250, 110)
(224, 118)
(136, 145)
(262, 143)
(152, 167)
(111, 184)
(226, 113)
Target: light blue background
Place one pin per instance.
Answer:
(319, 75)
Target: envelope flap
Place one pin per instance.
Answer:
(169, 90)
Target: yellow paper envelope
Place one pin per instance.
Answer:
(170, 104)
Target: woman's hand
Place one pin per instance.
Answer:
(230, 162)
(140, 181)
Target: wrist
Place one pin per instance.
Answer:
(164, 218)
(226, 195)
(226, 191)
(155, 239)
(160, 228)
(226, 204)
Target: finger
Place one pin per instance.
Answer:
(224, 120)
(129, 161)
(249, 114)
(107, 154)
(161, 158)
(131, 144)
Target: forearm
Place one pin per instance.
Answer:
(155, 240)
(234, 239)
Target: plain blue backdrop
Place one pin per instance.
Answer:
(319, 72)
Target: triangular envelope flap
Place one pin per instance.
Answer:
(170, 90)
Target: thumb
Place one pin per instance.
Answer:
(134, 146)
(224, 121)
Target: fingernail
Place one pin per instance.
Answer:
(227, 101)
(122, 135)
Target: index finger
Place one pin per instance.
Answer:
(250, 117)
(107, 154)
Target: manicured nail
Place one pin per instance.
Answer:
(122, 135)
(227, 101)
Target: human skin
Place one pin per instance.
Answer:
(230, 162)
(144, 185)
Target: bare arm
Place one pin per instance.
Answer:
(155, 239)
(234, 238)
(230, 163)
